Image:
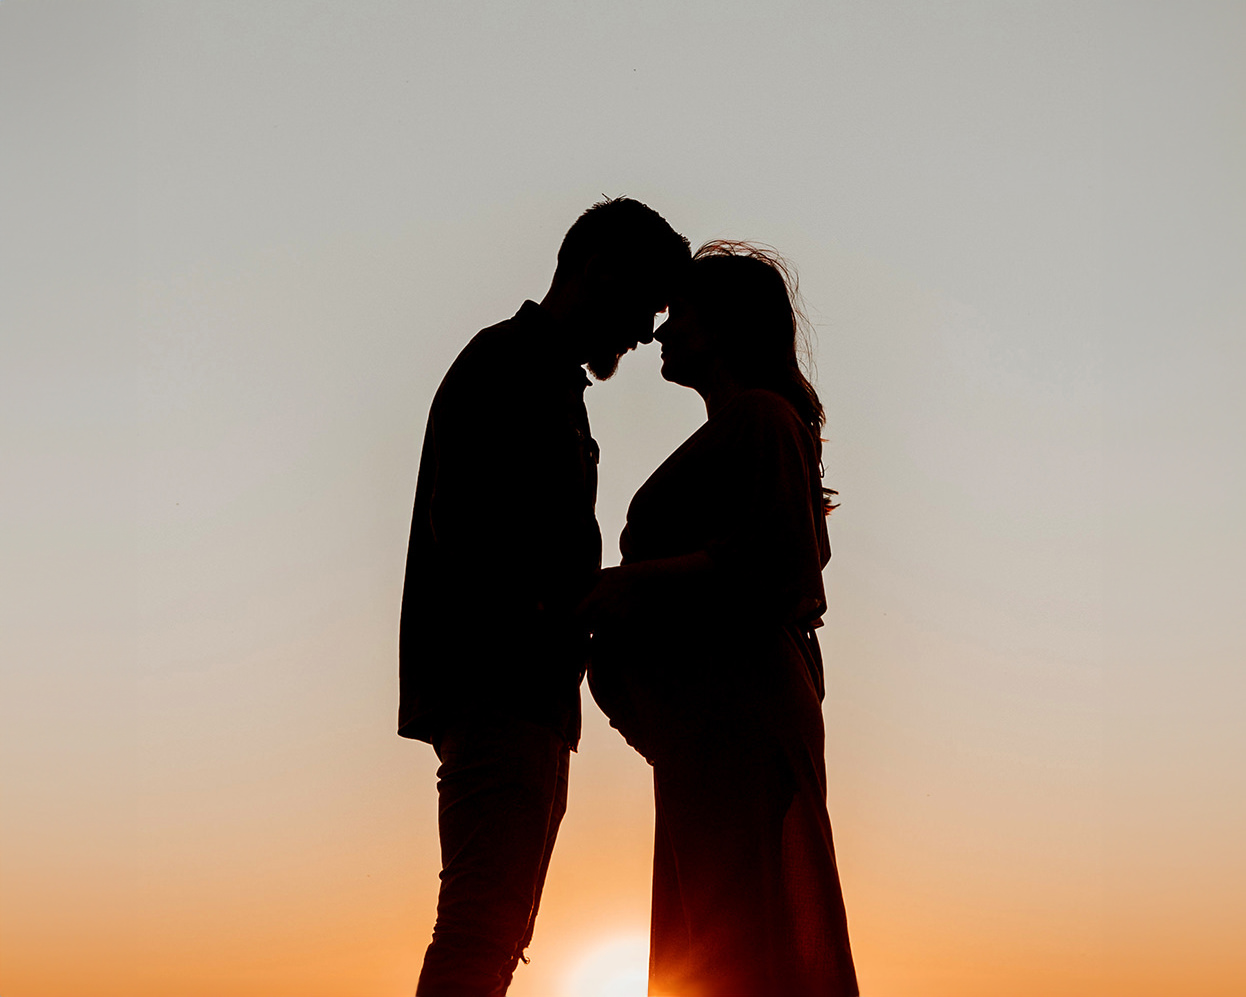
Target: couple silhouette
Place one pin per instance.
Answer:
(699, 646)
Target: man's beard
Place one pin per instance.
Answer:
(603, 365)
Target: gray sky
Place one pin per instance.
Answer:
(239, 245)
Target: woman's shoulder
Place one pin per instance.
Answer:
(761, 421)
(762, 406)
(763, 398)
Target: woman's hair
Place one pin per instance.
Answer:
(749, 296)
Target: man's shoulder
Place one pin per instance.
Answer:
(497, 346)
(492, 359)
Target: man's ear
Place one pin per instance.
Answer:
(611, 275)
(596, 272)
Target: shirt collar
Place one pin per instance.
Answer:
(549, 337)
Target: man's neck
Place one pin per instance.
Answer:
(559, 304)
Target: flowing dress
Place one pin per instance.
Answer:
(720, 688)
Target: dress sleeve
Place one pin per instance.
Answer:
(772, 545)
(462, 484)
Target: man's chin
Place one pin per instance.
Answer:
(603, 367)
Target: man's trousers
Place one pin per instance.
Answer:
(502, 792)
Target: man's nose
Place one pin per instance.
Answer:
(656, 329)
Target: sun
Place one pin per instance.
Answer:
(617, 967)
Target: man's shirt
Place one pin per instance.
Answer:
(504, 537)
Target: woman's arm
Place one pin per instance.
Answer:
(620, 592)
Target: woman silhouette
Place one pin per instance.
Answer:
(704, 655)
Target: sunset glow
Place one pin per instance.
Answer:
(240, 244)
(618, 967)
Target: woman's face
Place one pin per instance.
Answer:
(688, 348)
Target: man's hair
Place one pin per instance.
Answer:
(624, 230)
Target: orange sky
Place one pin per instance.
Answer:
(240, 245)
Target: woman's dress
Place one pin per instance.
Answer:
(720, 688)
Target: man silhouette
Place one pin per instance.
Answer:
(504, 545)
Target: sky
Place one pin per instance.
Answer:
(239, 245)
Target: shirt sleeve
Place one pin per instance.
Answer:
(772, 547)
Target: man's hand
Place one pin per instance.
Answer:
(612, 602)
(623, 593)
